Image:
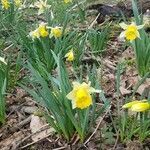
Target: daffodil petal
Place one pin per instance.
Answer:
(130, 104)
(140, 27)
(122, 35)
(70, 96)
(123, 25)
(140, 107)
(3, 60)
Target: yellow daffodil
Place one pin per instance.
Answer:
(130, 104)
(56, 32)
(18, 3)
(34, 34)
(42, 30)
(140, 107)
(137, 106)
(70, 56)
(81, 95)
(5, 4)
(67, 1)
(3, 60)
(42, 6)
(131, 31)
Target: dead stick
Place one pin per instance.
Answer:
(97, 126)
(44, 127)
(23, 147)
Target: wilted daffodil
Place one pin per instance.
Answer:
(41, 31)
(131, 31)
(56, 32)
(81, 95)
(70, 56)
(5, 4)
(67, 1)
(42, 6)
(137, 106)
(3, 60)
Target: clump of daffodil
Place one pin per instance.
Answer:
(42, 6)
(18, 3)
(137, 106)
(3, 60)
(41, 31)
(5, 4)
(80, 96)
(70, 56)
(56, 32)
(67, 1)
(131, 31)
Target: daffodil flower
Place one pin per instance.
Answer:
(34, 34)
(18, 3)
(70, 56)
(140, 107)
(137, 106)
(3, 60)
(131, 31)
(130, 104)
(42, 6)
(41, 31)
(56, 32)
(5, 4)
(80, 96)
(67, 1)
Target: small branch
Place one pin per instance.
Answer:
(44, 127)
(100, 121)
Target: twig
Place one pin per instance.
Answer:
(116, 141)
(21, 124)
(8, 47)
(44, 127)
(100, 121)
(76, 5)
(93, 22)
(60, 148)
(27, 145)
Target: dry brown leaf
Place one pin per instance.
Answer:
(124, 91)
(35, 125)
(11, 142)
(145, 87)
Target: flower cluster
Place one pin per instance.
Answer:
(42, 31)
(138, 106)
(81, 95)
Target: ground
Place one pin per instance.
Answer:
(26, 128)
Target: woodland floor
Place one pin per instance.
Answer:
(16, 133)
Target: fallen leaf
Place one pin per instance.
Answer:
(124, 91)
(35, 125)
